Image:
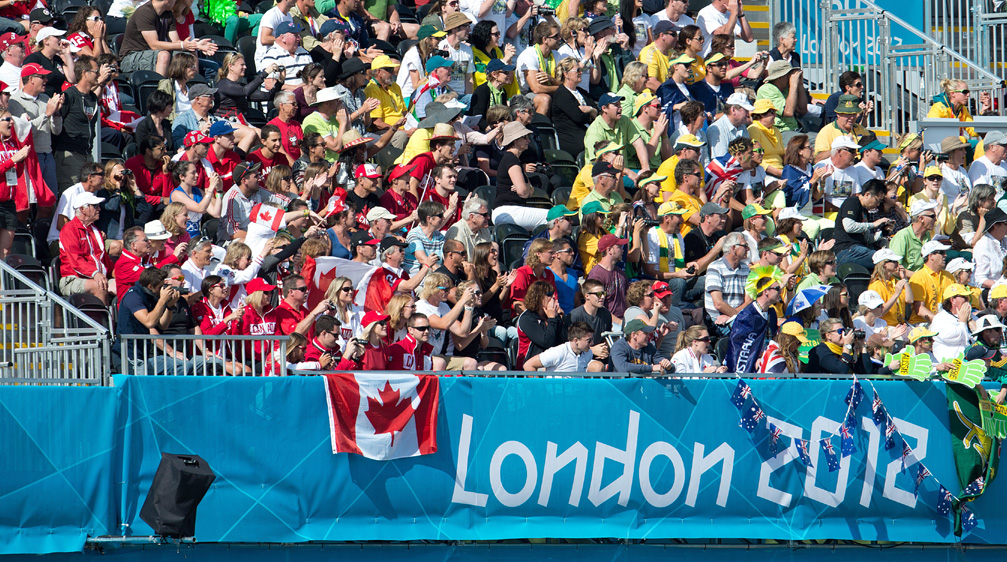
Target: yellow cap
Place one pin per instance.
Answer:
(920, 332)
(682, 59)
(714, 58)
(642, 99)
(763, 106)
(670, 208)
(689, 140)
(956, 290)
(998, 292)
(652, 179)
(796, 330)
(384, 61)
(932, 171)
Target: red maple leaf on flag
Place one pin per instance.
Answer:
(266, 216)
(391, 414)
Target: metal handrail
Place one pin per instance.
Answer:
(231, 355)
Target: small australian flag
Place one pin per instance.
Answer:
(969, 520)
(975, 487)
(847, 447)
(802, 450)
(880, 415)
(831, 458)
(906, 452)
(751, 418)
(944, 502)
(855, 395)
(890, 432)
(921, 474)
(741, 393)
(774, 439)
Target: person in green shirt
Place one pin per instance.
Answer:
(652, 125)
(909, 241)
(324, 122)
(634, 78)
(612, 125)
(823, 266)
(782, 87)
(604, 176)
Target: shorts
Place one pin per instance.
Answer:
(8, 215)
(72, 285)
(455, 362)
(139, 60)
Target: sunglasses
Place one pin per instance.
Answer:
(346, 289)
(858, 85)
(443, 288)
(650, 295)
(301, 289)
(935, 178)
(222, 285)
(287, 178)
(599, 294)
(830, 262)
(549, 293)
(420, 328)
(759, 151)
(178, 278)
(462, 253)
(964, 92)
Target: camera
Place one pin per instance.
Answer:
(859, 334)
(545, 11)
(691, 270)
(358, 341)
(440, 52)
(330, 305)
(127, 172)
(648, 222)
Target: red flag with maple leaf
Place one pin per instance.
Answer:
(383, 417)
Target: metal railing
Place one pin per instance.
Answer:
(192, 355)
(902, 66)
(44, 339)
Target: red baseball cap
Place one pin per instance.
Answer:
(196, 137)
(610, 240)
(8, 39)
(399, 171)
(258, 284)
(367, 171)
(33, 68)
(372, 317)
(661, 289)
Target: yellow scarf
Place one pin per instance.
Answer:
(678, 256)
(834, 348)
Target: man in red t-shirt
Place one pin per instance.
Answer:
(536, 268)
(269, 155)
(290, 130)
(413, 352)
(442, 151)
(323, 349)
(445, 177)
(137, 246)
(292, 314)
(390, 278)
(221, 155)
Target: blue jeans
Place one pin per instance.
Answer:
(861, 255)
(47, 162)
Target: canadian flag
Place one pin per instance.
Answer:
(264, 222)
(322, 270)
(383, 417)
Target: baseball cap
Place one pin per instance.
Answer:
(608, 98)
(958, 264)
(332, 24)
(689, 140)
(41, 15)
(920, 206)
(593, 207)
(10, 38)
(286, 27)
(714, 58)
(156, 231)
(933, 171)
(998, 291)
(670, 208)
(399, 171)
(197, 90)
(777, 247)
(875, 144)
(795, 329)
(663, 26)
(373, 316)
(661, 289)
(762, 106)
(364, 238)
(920, 332)
(979, 351)
(754, 209)
(367, 171)
(384, 61)
(196, 137)
(602, 167)
(258, 284)
(741, 100)
(428, 31)
(598, 25)
(642, 99)
(435, 62)
(711, 209)
(559, 211)
(610, 240)
(391, 242)
(637, 325)
(792, 213)
(86, 198)
(681, 59)
(221, 128)
(955, 290)
(933, 246)
(652, 179)
(991, 138)
(844, 141)
(885, 254)
(243, 169)
(870, 299)
(610, 147)
(496, 65)
(47, 32)
(378, 213)
(33, 68)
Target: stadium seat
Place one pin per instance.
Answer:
(561, 195)
(504, 231)
(93, 309)
(24, 243)
(825, 234)
(209, 229)
(31, 268)
(512, 248)
(721, 349)
(549, 137)
(847, 269)
(143, 82)
(487, 193)
(246, 46)
(404, 47)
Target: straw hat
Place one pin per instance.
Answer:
(513, 131)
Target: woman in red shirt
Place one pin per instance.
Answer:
(214, 317)
(258, 319)
(87, 32)
(375, 351)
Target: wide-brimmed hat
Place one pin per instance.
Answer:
(778, 69)
(444, 131)
(987, 322)
(437, 112)
(953, 143)
(351, 67)
(848, 104)
(513, 131)
(326, 94)
(994, 216)
(353, 138)
(456, 19)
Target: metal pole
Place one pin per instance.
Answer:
(889, 119)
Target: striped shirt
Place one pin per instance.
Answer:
(292, 62)
(730, 283)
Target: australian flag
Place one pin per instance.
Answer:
(751, 418)
(719, 170)
(880, 415)
(802, 450)
(741, 394)
(890, 432)
(847, 446)
(906, 452)
(944, 502)
(969, 520)
(975, 487)
(921, 474)
(774, 439)
(831, 458)
(855, 395)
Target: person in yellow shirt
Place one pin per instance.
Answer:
(763, 131)
(847, 115)
(391, 107)
(657, 54)
(953, 103)
(688, 176)
(605, 150)
(891, 281)
(690, 45)
(929, 282)
(961, 270)
(687, 147)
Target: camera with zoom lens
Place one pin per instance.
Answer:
(440, 52)
(331, 305)
(127, 172)
(648, 222)
(859, 334)
(546, 11)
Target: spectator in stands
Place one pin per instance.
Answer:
(313, 150)
(375, 331)
(443, 191)
(838, 353)
(953, 103)
(733, 125)
(239, 200)
(929, 282)
(186, 175)
(713, 91)
(725, 284)
(982, 199)
(291, 133)
(536, 66)
(855, 236)
(954, 325)
(646, 300)
(324, 348)
(79, 112)
(445, 319)
(783, 89)
(413, 351)
(703, 245)
(151, 37)
(652, 125)
(493, 282)
(268, 25)
(271, 157)
(53, 56)
(311, 21)
(603, 190)
(691, 353)
(392, 108)
(989, 168)
(656, 55)
(997, 302)
(487, 44)
(151, 162)
(312, 81)
(340, 295)
(350, 88)
(573, 108)
(724, 16)
(956, 178)
(492, 95)
(634, 353)
(592, 229)
(565, 278)
(473, 228)
(850, 83)
(456, 265)
(634, 81)
(156, 123)
(13, 51)
(909, 241)
(287, 54)
(890, 281)
(292, 314)
(30, 102)
(755, 219)
(613, 126)
(426, 239)
(236, 92)
(666, 251)
(607, 272)
(329, 121)
(119, 212)
(763, 131)
(512, 182)
(183, 68)
(690, 45)
(536, 268)
(847, 113)
(989, 252)
(174, 219)
(197, 117)
(391, 278)
(136, 249)
(84, 263)
(221, 155)
(147, 309)
(540, 323)
(258, 319)
(846, 179)
(574, 356)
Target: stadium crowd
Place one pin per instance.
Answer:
(573, 187)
